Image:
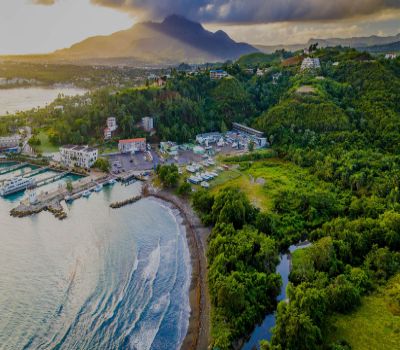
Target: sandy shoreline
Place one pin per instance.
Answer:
(198, 334)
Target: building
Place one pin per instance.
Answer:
(132, 145)
(10, 143)
(112, 124)
(208, 138)
(390, 56)
(111, 127)
(78, 156)
(218, 74)
(310, 63)
(147, 124)
(254, 135)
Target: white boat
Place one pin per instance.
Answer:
(98, 188)
(205, 184)
(86, 194)
(17, 184)
(112, 182)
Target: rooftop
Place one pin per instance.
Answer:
(133, 140)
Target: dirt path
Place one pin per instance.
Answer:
(198, 335)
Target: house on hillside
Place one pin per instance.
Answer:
(310, 64)
(218, 74)
(111, 127)
(390, 56)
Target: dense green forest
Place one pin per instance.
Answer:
(340, 124)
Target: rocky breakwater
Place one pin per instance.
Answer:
(54, 206)
(117, 205)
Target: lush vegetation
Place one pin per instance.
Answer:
(242, 260)
(333, 179)
(378, 315)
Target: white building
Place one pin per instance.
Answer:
(310, 63)
(257, 137)
(132, 145)
(390, 56)
(112, 124)
(148, 123)
(111, 127)
(78, 156)
(9, 142)
(218, 74)
(208, 138)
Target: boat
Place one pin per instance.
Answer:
(98, 188)
(112, 182)
(86, 194)
(17, 184)
(205, 184)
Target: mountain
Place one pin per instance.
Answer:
(385, 48)
(355, 42)
(176, 39)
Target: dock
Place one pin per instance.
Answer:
(35, 172)
(51, 179)
(51, 201)
(131, 176)
(12, 168)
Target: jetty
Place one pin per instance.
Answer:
(12, 168)
(51, 201)
(51, 179)
(132, 175)
(117, 205)
(35, 172)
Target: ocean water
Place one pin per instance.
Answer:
(101, 279)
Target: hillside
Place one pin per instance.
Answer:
(393, 47)
(355, 42)
(174, 40)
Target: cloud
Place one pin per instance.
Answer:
(253, 11)
(44, 2)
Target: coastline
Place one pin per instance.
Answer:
(198, 333)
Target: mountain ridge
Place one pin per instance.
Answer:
(354, 42)
(174, 40)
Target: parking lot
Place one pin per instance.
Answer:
(127, 162)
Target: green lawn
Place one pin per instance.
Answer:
(273, 175)
(46, 146)
(375, 325)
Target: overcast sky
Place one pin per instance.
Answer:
(39, 26)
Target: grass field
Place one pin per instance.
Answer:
(45, 146)
(375, 325)
(262, 180)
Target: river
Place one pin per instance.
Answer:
(101, 279)
(263, 331)
(22, 99)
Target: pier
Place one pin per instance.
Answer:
(51, 179)
(51, 201)
(35, 172)
(132, 175)
(12, 168)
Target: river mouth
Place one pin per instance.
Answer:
(101, 279)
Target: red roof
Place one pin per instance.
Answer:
(133, 140)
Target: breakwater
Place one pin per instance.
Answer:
(53, 206)
(117, 205)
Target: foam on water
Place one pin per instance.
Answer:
(102, 279)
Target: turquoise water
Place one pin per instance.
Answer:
(101, 279)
